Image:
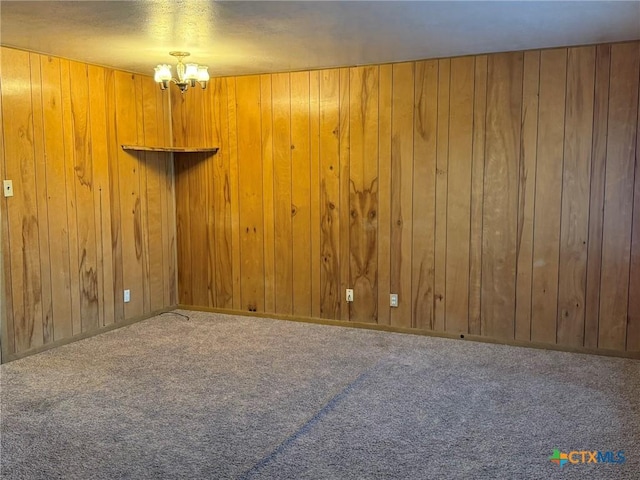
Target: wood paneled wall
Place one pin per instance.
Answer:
(87, 219)
(498, 195)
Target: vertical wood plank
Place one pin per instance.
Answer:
(502, 160)
(267, 194)
(442, 176)
(574, 229)
(250, 193)
(223, 271)
(424, 193)
(618, 196)
(56, 197)
(143, 161)
(384, 192)
(172, 273)
(401, 197)
(234, 191)
(546, 237)
(281, 90)
(183, 228)
(314, 139)
(101, 192)
(114, 185)
(41, 198)
(633, 326)
(85, 211)
(526, 193)
(212, 137)
(596, 200)
(330, 193)
(343, 209)
(6, 309)
(163, 122)
(154, 173)
(23, 245)
(72, 204)
(459, 195)
(477, 194)
(198, 214)
(198, 197)
(180, 123)
(300, 193)
(179, 126)
(182, 163)
(130, 201)
(363, 195)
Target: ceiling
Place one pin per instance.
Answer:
(236, 38)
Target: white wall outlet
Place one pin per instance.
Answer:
(7, 186)
(349, 295)
(393, 300)
(127, 296)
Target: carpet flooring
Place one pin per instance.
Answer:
(228, 397)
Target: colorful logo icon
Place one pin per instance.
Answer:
(559, 458)
(587, 456)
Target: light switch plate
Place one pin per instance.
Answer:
(127, 296)
(349, 297)
(7, 186)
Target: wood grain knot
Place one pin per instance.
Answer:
(399, 223)
(293, 147)
(439, 297)
(294, 210)
(332, 206)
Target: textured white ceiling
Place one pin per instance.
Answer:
(253, 37)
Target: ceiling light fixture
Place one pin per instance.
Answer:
(188, 74)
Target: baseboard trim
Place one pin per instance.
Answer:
(415, 331)
(6, 358)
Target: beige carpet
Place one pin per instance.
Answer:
(217, 396)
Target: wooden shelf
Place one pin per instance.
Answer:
(139, 148)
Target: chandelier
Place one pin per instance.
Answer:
(188, 74)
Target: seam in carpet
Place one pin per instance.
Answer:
(308, 425)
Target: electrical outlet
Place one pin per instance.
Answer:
(349, 295)
(393, 300)
(127, 296)
(7, 186)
